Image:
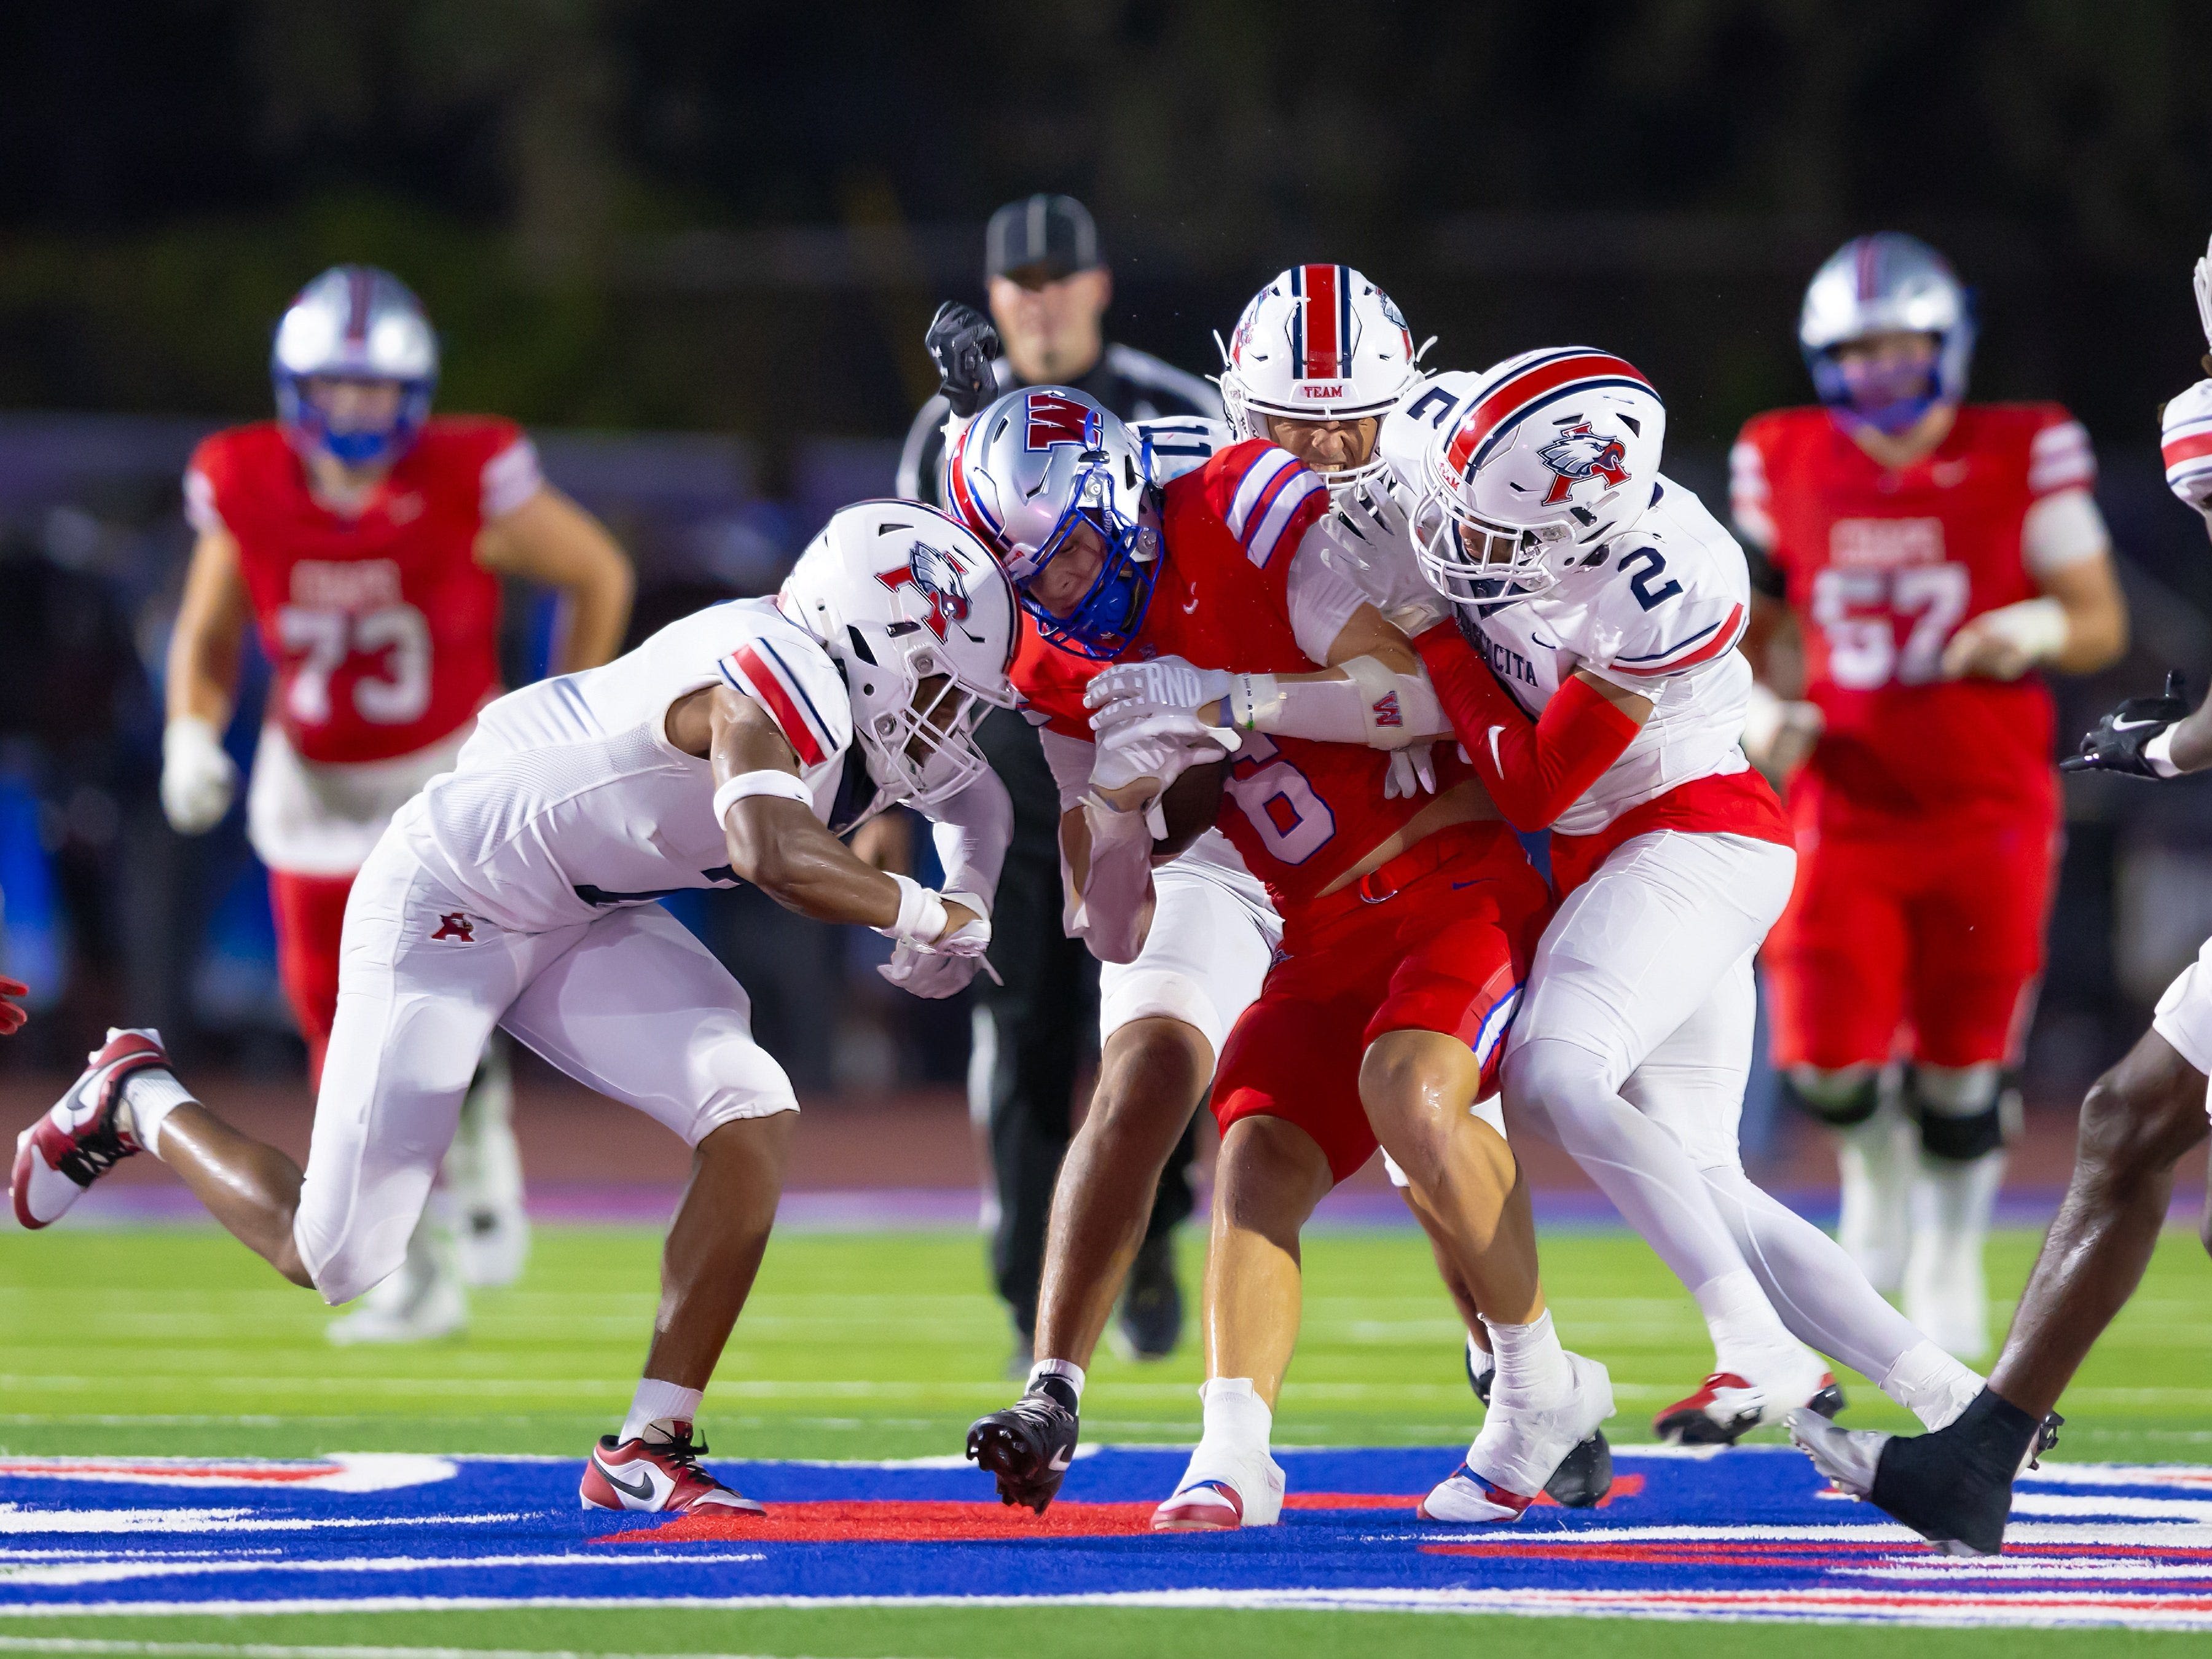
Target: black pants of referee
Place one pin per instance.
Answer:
(1044, 1025)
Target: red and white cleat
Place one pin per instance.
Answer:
(660, 1475)
(1727, 1407)
(1222, 1492)
(79, 1139)
(1519, 1451)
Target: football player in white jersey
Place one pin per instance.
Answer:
(1605, 704)
(516, 891)
(1603, 697)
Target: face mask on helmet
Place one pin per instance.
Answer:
(1106, 614)
(921, 748)
(1887, 384)
(1482, 566)
(355, 365)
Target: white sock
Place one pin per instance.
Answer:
(1235, 1418)
(1744, 1327)
(1931, 1385)
(1532, 1367)
(148, 1097)
(659, 1406)
(1875, 1162)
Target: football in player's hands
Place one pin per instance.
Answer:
(1189, 807)
(965, 344)
(2117, 743)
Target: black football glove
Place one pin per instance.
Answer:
(965, 345)
(2117, 744)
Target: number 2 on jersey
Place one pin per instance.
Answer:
(1293, 822)
(398, 633)
(1858, 610)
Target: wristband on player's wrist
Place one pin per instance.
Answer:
(920, 920)
(2158, 755)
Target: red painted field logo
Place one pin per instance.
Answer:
(455, 925)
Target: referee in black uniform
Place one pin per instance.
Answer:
(1049, 288)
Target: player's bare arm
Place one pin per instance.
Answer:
(198, 778)
(775, 841)
(2078, 625)
(550, 540)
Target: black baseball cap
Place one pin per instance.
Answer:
(1046, 236)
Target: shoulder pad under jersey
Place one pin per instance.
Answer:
(1674, 592)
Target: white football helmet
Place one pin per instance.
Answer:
(1888, 282)
(355, 322)
(899, 594)
(1025, 470)
(1549, 456)
(1320, 343)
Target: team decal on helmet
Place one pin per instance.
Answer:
(1058, 417)
(1578, 454)
(932, 571)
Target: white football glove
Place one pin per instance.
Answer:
(944, 968)
(198, 778)
(1138, 759)
(1139, 690)
(1411, 773)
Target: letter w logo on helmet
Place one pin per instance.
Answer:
(1053, 418)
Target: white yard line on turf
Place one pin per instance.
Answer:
(63, 1644)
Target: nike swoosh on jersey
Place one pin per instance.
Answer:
(1495, 759)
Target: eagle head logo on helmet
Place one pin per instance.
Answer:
(935, 574)
(1578, 454)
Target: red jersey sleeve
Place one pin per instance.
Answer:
(1751, 491)
(1051, 682)
(207, 483)
(2059, 456)
(1267, 499)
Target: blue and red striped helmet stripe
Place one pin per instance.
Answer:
(1321, 329)
(1505, 405)
(973, 513)
(359, 287)
(1869, 267)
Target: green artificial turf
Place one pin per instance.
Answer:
(175, 1340)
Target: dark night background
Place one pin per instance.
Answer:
(734, 219)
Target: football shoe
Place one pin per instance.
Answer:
(1584, 1476)
(422, 1301)
(1027, 1448)
(80, 1138)
(1519, 1451)
(657, 1473)
(1728, 1405)
(1149, 1322)
(1221, 1490)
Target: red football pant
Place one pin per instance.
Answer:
(1437, 939)
(1926, 940)
(310, 912)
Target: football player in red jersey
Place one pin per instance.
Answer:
(365, 539)
(1406, 922)
(1922, 558)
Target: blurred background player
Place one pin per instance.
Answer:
(366, 538)
(1955, 1486)
(1049, 289)
(1922, 557)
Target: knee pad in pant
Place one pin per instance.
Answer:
(1842, 1100)
(1964, 1112)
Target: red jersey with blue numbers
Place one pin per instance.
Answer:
(1883, 565)
(382, 628)
(1301, 812)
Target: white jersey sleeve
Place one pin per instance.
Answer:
(1173, 445)
(1679, 599)
(510, 479)
(2185, 445)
